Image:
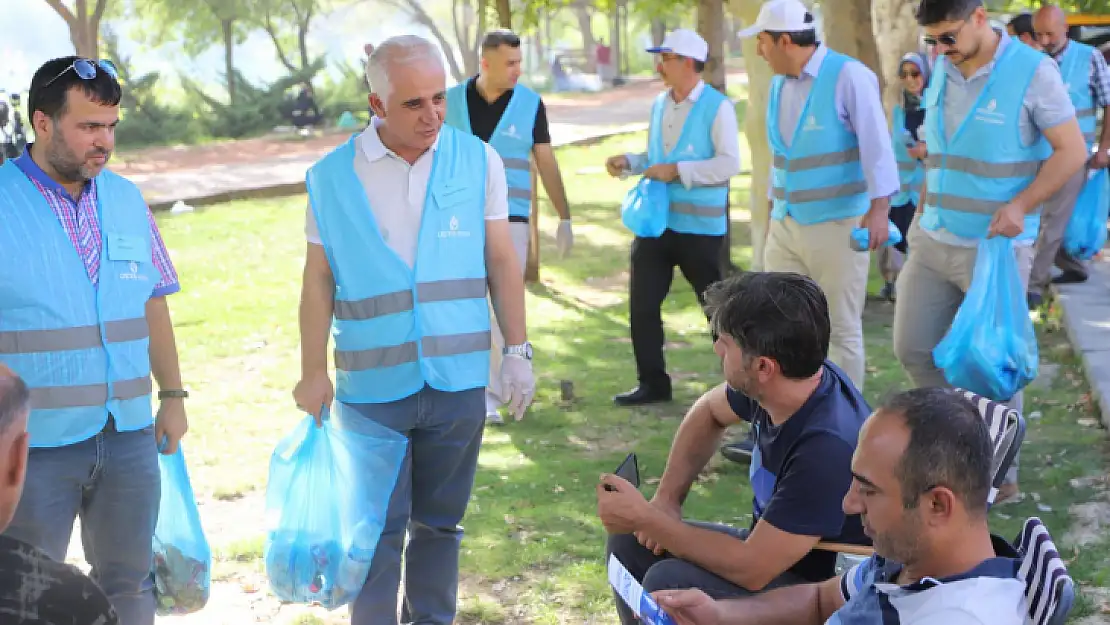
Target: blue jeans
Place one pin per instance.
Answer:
(433, 488)
(112, 482)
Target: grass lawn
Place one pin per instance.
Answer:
(533, 551)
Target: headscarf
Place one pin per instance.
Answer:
(912, 101)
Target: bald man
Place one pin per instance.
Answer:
(1088, 81)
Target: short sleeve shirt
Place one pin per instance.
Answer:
(801, 469)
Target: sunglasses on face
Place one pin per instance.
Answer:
(905, 75)
(87, 70)
(948, 39)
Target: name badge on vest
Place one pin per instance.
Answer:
(130, 249)
(452, 197)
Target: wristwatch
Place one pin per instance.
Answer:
(524, 350)
(175, 393)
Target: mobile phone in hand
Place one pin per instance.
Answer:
(629, 470)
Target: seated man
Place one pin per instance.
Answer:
(773, 342)
(35, 590)
(922, 472)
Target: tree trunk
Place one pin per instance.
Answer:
(711, 17)
(848, 31)
(504, 14)
(589, 44)
(84, 26)
(658, 31)
(896, 33)
(229, 58)
(755, 131)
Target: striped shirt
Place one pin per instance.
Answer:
(989, 594)
(80, 220)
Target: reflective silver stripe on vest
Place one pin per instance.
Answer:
(519, 194)
(821, 193)
(1085, 112)
(57, 397)
(376, 306)
(401, 301)
(376, 358)
(984, 169)
(907, 167)
(443, 290)
(434, 346)
(453, 344)
(697, 210)
(517, 163)
(66, 339)
(817, 160)
(964, 204)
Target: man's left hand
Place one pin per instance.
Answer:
(170, 424)
(623, 509)
(1009, 221)
(1100, 160)
(665, 172)
(877, 223)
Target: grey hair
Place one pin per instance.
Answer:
(15, 399)
(400, 50)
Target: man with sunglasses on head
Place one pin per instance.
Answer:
(694, 147)
(84, 321)
(1088, 82)
(511, 118)
(1002, 138)
(834, 168)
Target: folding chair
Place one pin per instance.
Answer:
(1007, 430)
(1049, 590)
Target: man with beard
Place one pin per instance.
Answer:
(1088, 81)
(509, 116)
(693, 146)
(1002, 138)
(806, 415)
(921, 476)
(84, 321)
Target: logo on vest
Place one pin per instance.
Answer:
(511, 131)
(811, 124)
(988, 114)
(689, 149)
(453, 231)
(132, 272)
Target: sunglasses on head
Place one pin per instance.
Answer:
(86, 70)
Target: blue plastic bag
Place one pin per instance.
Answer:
(645, 208)
(182, 560)
(991, 348)
(326, 501)
(861, 237)
(1086, 231)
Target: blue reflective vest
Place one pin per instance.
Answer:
(1075, 68)
(398, 328)
(81, 349)
(911, 171)
(701, 209)
(819, 177)
(985, 164)
(512, 138)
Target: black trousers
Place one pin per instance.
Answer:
(653, 263)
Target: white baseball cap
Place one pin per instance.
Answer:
(684, 42)
(782, 16)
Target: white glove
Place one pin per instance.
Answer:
(564, 238)
(517, 384)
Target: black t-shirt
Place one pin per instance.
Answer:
(485, 116)
(35, 590)
(802, 469)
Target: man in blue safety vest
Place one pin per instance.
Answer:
(407, 224)
(694, 147)
(512, 118)
(1002, 138)
(1088, 82)
(84, 321)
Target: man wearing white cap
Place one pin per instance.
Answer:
(834, 169)
(694, 147)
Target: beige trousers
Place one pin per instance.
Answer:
(823, 252)
(931, 288)
(521, 233)
(1054, 221)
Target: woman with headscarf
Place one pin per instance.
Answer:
(909, 149)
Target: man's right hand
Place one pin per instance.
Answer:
(689, 607)
(617, 165)
(312, 393)
(669, 508)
